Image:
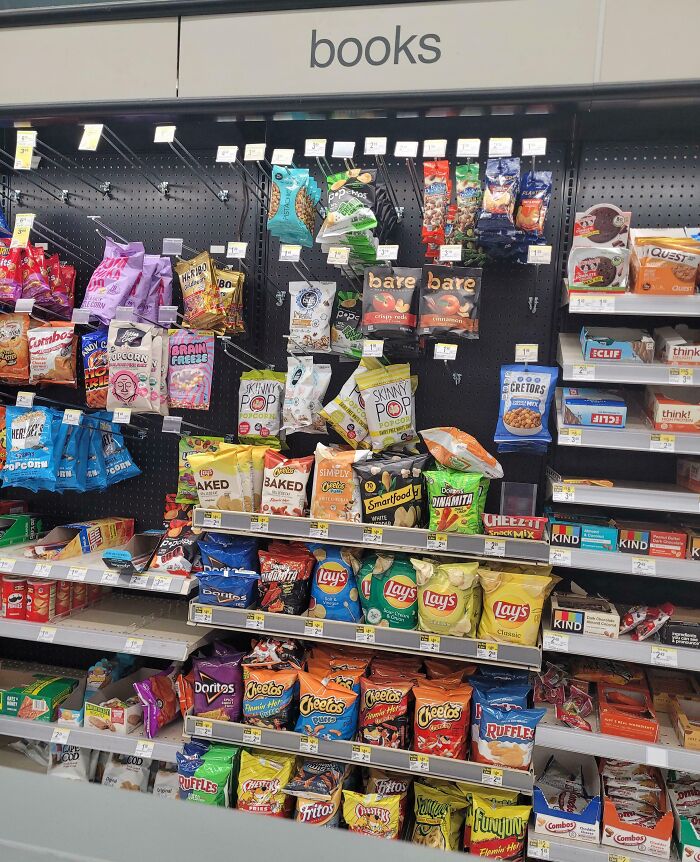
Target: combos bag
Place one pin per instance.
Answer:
(390, 301)
(260, 407)
(458, 450)
(454, 500)
(523, 416)
(449, 301)
(334, 594)
(335, 495)
(392, 490)
(114, 279)
(513, 605)
(388, 395)
(388, 594)
(449, 597)
(284, 484)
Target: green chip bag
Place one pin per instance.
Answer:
(454, 501)
(484, 483)
(387, 586)
(206, 774)
(186, 487)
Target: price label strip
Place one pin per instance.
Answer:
(252, 736)
(430, 643)
(313, 628)
(418, 762)
(202, 614)
(492, 776)
(364, 634)
(308, 744)
(255, 620)
(361, 753)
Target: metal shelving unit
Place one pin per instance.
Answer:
(580, 370)
(627, 495)
(353, 752)
(90, 569)
(631, 303)
(625, 564)
(408, 539)
(373, 637)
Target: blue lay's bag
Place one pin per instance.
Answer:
(220, 551)
(523, 416)
(227, 588)
(325, 710)
(334, 594)
(507, 738)
(494, 692)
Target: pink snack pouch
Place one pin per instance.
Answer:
(64, 293)
(35, 282)
(160, 291)
(190, 368)
(158, 697)
(114, 279)
(10, 272)
(139, 292)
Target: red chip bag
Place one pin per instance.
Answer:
(441, 719)
(35, 283)
(10, 272)
(384, 712)
(285, 581)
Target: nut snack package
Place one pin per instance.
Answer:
(292, 212)
(390, 301)
(392, 490)
(310, 309)
(387, 584)
(512, 605)
(453, 500)
(437, 189)
(449, 301)
(526, 398)
(500, 194)
(449, 597)
(389, 403)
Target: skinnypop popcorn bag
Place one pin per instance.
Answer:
(389, 403)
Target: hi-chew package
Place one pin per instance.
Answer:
(389, 404)
(260, 396)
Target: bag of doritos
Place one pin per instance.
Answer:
(261, 777)
(326, 710)
(218, 684)
(372, 814)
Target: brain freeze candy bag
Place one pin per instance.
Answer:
(217, 478)
(498, 831)
(389, 301)
(284, 484)
(458, 450)
(261, 779)
(449, 301)
(453, 500)
(268, 697)
(310, 308)
(114, 279)
(326, 710)
(513, 605)
(392, 490)
(439, 813)
(14, 348)
(388, 395)
(190, 369)
(260, 407)
(334, 594)
(526, 398)
(449, 597)
(94, 352)
(372, 814)
(335, 495)
(385, 713)
(441, 719)
(387, 585)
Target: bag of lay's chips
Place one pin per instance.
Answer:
(217, 477)
(372, 814)
(507, 738)
(449, 597)
(512, 605)
(268, 697)
(260, 407)
(458, 450)
(387, 586)
(498, 832)
(439, 813)
(326, 710)
(453, 501)
(261, 777)
(441, 719)
(334, 594)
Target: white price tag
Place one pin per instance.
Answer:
(24, 222)
(430, 643)
(538, 848)
(539, 254)
(255, 620)
(571, 436)
(387, 252)
(563, 493)
(236, 249)
(643, 566)
(259, 523)
(434, 149)
(25, 399)
(168, 313)
(361, 753)
(418, 762)
(24, 150)
(343, 149)
(122, 415)
(492, 776)
(133, 646)
(315, 147)
(211, 519)
(202, 727)
(406, 149)
(308, 744)
(217, 249)
(124, 313)
(24, 306)
(445, 351)
(80, 315)
(452, 251)
(76, 573)
(500, 147)
(254, 153)
(559, 556)
(42, 570)
(313, 628)
(162, 583)
(494, 547)
(364, 634)
(339, 254)
(6, 565)
(92, 132)
(372, 535)
(583, 372)
(318, 530)
(164, 134)
(526, 352)
(555, 642)
(138, 581)
(144, 748)
(202, 614)
(680, 376)
(46, 634)
(437, 542)
(290, 253)
(60, 735)
(487, 651)
(372, 347)
(534, 146)
(110, 578)
(375, 146)
(595, 304)
(172, 246)
(662, 443)
(664, 656)
(226, 154)
(657, 756)
(468, 148)
(282, 156)
(252, 736)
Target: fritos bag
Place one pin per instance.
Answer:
(441, 719)
(335, 495)
(458, 450)
(449, 598)
(513, 605)
(498, 831)
(372, 814)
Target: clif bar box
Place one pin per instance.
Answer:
(515, 526)
(587, 532)
(617, 345)
(652, 539)
(584, 615)
(595, 408)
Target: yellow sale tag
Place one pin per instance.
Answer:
(24, 222)
(26, 141)
(92, 132)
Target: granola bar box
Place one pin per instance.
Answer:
(33, 696)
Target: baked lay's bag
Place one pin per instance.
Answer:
(372, 814)
(458, 450)
(449, 597)
(441, 719)
(512, 605)
(326, 710)
(498, 832)
(439, 813)
(217, 478)
(334, 594)
(261, 779)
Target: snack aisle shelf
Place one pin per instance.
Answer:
(393, 759)
(164, 747)
(362, 635)
(118, 624)
(623, 649)
(407, 539)
(627, 495)
(666, 753)
(625, 564)
(90, 569)
(579, 370)
(559, 849)
(631, 303)
(637, 435)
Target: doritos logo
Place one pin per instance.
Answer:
(511, 612)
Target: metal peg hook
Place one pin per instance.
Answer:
(415, 183)
(228, 342)
(103, 187)
(98, 221)
(190, 161)
(130, 157)
(63, 197)
(62, 239)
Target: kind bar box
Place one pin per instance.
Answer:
(33, 696)
(688, 473)
(674, 409)
(586, 532)
(584, 615)
(678, 346)
(596, 408)
(693, 550)
(550, 819)
(83, 538)
(15, 529)
(683, 629)
(685, 717)
(116, 708)
(617, 345)
(654, 540)
(666, 683)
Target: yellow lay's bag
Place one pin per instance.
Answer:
(512, 605)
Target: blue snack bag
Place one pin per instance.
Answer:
(71, 473)
(30, 461)
(95, 470)
(507, 738)
(227, 588)
(229, 552)
(523, 416)
(326, 711)
(334, 594)
(494, 693)
(118, 461)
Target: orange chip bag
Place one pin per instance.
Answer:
(512, 605)
(441, 719)
(14, 348)
(52, 353)
(460, 451)
(372, 814)
(335, 495)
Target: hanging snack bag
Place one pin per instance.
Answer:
(468, 194)
(346, 412)
(326, 710)
(346, 323)
(52, 354)
(372, 814)
(284, 484)
(94, 351)
(229, 283)
(351, 197)
(261, 779)
(392, 490)
(285, 579)
(437, 189)
(498, 831)
(449, 598)
(200, 293)
(129, 347)
(441, 719)
(458, 450)
(292, 211)
(268, 697)
(526, 398)
(500, 194)
(10, 272)
(334, 593)
(385, 713)
(35, 279)
(439, 812)
(449, 301)
(217, 478)
(186, 485)
(114, 279)
(335, 495)
(390, 301)
(218, 687)
(260, 407)
(389, 404)
(535, 192)
(305, 388)
(14, 348)
(190, 369)
(453, 499)
(30, 460)
(387, 585)
(310, 307)
(158, 699)
(513, 605)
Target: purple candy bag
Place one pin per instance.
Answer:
(158, 697)
(218, 687)
(161, 289)
(114, 279)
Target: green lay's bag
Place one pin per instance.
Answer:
(186, 486)
(456, 500)
(387, 586)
